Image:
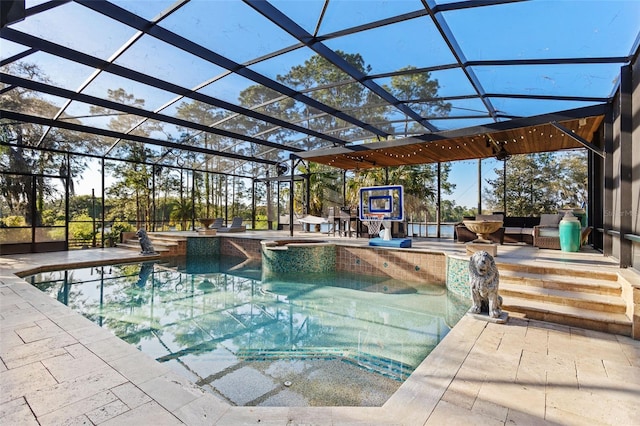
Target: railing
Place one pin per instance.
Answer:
(430, 229)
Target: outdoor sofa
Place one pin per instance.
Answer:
(515, 229)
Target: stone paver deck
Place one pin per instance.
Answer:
(59, 368)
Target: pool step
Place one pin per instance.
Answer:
(383, 366)
(274, 354)
(577, 298)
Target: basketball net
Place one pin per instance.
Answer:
(374, 223)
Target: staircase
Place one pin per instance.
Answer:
(579, 298)
(166, 244)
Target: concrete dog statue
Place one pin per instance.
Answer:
(145, 242)
(484, 280)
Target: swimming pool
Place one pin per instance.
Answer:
(322, 340)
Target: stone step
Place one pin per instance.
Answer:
(562, 282)
(164, 248)
(578, 299)
(166, 244)
(167, 236)
(573, 272)
(135, 246)
(565, 295)
(154, 242)
(608, 322)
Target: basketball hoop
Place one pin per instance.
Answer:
(379, 206)
(374, 220)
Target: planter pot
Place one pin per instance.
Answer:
(569, 233)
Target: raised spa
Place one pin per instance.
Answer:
(300, 256)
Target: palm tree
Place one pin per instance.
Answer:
(182, 212)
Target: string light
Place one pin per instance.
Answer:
(418, 148)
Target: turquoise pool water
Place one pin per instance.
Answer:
(317, 340)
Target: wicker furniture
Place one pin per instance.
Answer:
(543, 237)
(546, 237)
(547, 234)
(516, 229)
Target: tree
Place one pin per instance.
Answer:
(573, 189)
(133, 177)
(26, 166)
(182, 212)
(85, 204)
(81, 228)
(325, 190)
(539, 183)
(207, 115)
(450, 212)
(332, 87)
(327, 85)
(422, 91)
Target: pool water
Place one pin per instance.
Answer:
(317, 340)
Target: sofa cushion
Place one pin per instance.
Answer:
(527, 231)
(513, 230)
(550, 219)
(549, 232)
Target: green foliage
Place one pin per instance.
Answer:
(86, 204)
(81, 228)
(182, 212)
(574, 189)
(450, 212)
(131, 198)
(331, 88)
(325, 190)
(11, 221)
(423, 91)
(540, 183)
(51, 216)
(16, 193)
(117, 228)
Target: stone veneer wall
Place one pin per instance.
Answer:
(406, 265)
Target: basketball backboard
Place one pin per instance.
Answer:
(382, 203)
